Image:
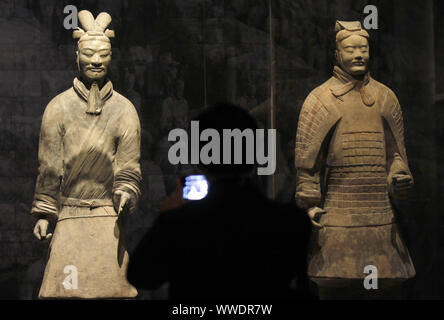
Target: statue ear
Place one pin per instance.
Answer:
(338, 57)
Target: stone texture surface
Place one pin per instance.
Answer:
(222, 47)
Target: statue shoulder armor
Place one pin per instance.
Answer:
(391, 111)
(318, 115)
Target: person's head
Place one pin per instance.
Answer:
(94, 46)
(352, 48)
(227, 116)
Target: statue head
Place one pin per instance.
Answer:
(352, 47)
(94, 46)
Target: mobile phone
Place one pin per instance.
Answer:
(195, 187)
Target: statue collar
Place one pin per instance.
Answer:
(94, 97)
(349, 83)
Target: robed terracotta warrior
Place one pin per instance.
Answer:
(89, 175)
(352, 168)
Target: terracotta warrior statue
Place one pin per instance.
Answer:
(352, 170)
(89, 175)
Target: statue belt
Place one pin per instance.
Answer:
(91, 204)
(357, 220)
(88, 203)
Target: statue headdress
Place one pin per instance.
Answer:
(93, 29)
(345, 29)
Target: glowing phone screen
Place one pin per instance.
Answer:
(195, 188)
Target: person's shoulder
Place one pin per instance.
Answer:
(182, 214)
(180, 222)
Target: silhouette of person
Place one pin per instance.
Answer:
(233, 244)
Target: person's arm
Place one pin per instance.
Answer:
(44, 206)
(128, 176)
(148, 264)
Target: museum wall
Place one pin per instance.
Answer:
(172, 58)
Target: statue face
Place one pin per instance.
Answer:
(353, 55)
(93, 58)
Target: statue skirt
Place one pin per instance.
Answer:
(87, 257)
(353, 252)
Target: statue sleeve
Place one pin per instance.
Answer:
(308, 187)
(309, 157)
(50, 164)
(397, 162)
(128, 174)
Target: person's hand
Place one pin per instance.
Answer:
(400, 186)
(41, 229)
(120, 200)
(315, 214)
(175, 199)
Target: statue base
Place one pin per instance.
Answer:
(353, 289)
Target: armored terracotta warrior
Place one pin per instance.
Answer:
(89, 174)
(352, 170)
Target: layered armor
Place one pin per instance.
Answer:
(349, 145)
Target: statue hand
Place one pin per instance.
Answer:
(400, 186)
(120, 200)
(40, 229)
(315, 215)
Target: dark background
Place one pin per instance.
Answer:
(216, 51)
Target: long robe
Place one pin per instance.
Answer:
(84, 158)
